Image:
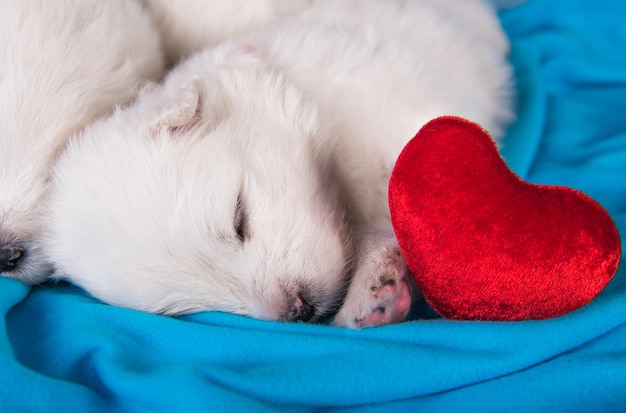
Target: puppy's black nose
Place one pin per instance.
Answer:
(301, 310)
(9, 258)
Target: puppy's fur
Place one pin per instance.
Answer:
(62, 64)
(188, 26)
(254, 180)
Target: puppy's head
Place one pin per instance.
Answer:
(212, 192)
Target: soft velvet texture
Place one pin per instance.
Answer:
(63, 351)
(483, 244)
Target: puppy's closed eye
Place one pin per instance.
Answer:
(240, 222)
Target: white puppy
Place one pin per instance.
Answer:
(254, 180)
(62, 64)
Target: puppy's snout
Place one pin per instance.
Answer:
(10, 258)
(301, 310)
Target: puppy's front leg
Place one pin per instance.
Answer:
(382, 289)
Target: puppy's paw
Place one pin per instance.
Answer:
(381, 290)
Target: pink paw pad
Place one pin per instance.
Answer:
(397, 303)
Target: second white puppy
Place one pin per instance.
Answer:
(254, 181)
(63, 64)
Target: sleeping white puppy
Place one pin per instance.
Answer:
(254, 180)
(63, 63)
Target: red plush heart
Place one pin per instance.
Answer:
(483, 244)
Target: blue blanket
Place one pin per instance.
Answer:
(61, 350)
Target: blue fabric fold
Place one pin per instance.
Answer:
(61, 350)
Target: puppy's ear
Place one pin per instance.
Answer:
(180, 108)
(184, 108)
(254, 49)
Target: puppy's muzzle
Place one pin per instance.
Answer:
(10, 258)
(300, 310)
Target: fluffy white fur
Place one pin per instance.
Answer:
(254, 180)
(188, 26)
(62, 64)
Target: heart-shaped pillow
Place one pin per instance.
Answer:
(483, 244)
